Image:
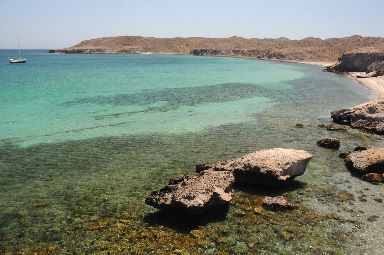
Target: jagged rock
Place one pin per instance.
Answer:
(376, 68)
(299, 125)
(266, 167)
(358, 62)
(331, 143)
(194, 194)
(368, 116)
(276, 203)
(366, 161)
(373, 177)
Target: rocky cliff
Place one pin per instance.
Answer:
(308, 49)
(361, 62)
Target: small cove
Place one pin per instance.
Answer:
(84, 138)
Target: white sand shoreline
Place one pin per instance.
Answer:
(375, 84)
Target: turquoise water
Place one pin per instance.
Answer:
(56, 98)
(85, 138)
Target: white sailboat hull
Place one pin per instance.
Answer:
(17, 61)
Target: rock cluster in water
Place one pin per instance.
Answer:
(212, 187)
(368, 116)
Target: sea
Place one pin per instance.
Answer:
(84, 139)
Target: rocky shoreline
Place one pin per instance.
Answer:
(212, 187)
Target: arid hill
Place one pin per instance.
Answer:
(308, 49)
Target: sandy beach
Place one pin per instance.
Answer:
(376, 84)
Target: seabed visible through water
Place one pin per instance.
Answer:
(85, 195)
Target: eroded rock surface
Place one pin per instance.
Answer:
(266, 167)
(194, 194)
(368, 116)
(359, 62)
(366, 161)
(330, 143)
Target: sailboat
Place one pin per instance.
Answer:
(18, 60)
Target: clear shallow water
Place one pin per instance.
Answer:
(84, 138)
(61, 97)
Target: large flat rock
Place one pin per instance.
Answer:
(194, 194)
(266, 167)
(368, 116)
(366, 161)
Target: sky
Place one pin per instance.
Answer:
(51, 24)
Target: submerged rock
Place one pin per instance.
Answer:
(360, 148)
(366, 161)
(266, 167)
(373, 177)
(335, 127)
(276, 203)
(331, 143)
(194, 194)
(368, 116)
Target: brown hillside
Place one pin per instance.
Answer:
(308, 49)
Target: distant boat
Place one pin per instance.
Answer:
(18, 60)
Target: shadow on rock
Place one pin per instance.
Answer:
(185, 223)
(276, 190)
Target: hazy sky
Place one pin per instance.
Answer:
(55, 24)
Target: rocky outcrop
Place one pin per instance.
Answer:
(276, 203)
(194, 194)
(366, 161)
(261, 54)
(359, 62)
(82, 51)
(368, 116)
(212, 187)
(376, 68)
(330, 143)
(266, 167)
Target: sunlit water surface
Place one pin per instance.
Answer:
(85, 138)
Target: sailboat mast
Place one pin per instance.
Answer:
(18, 45)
